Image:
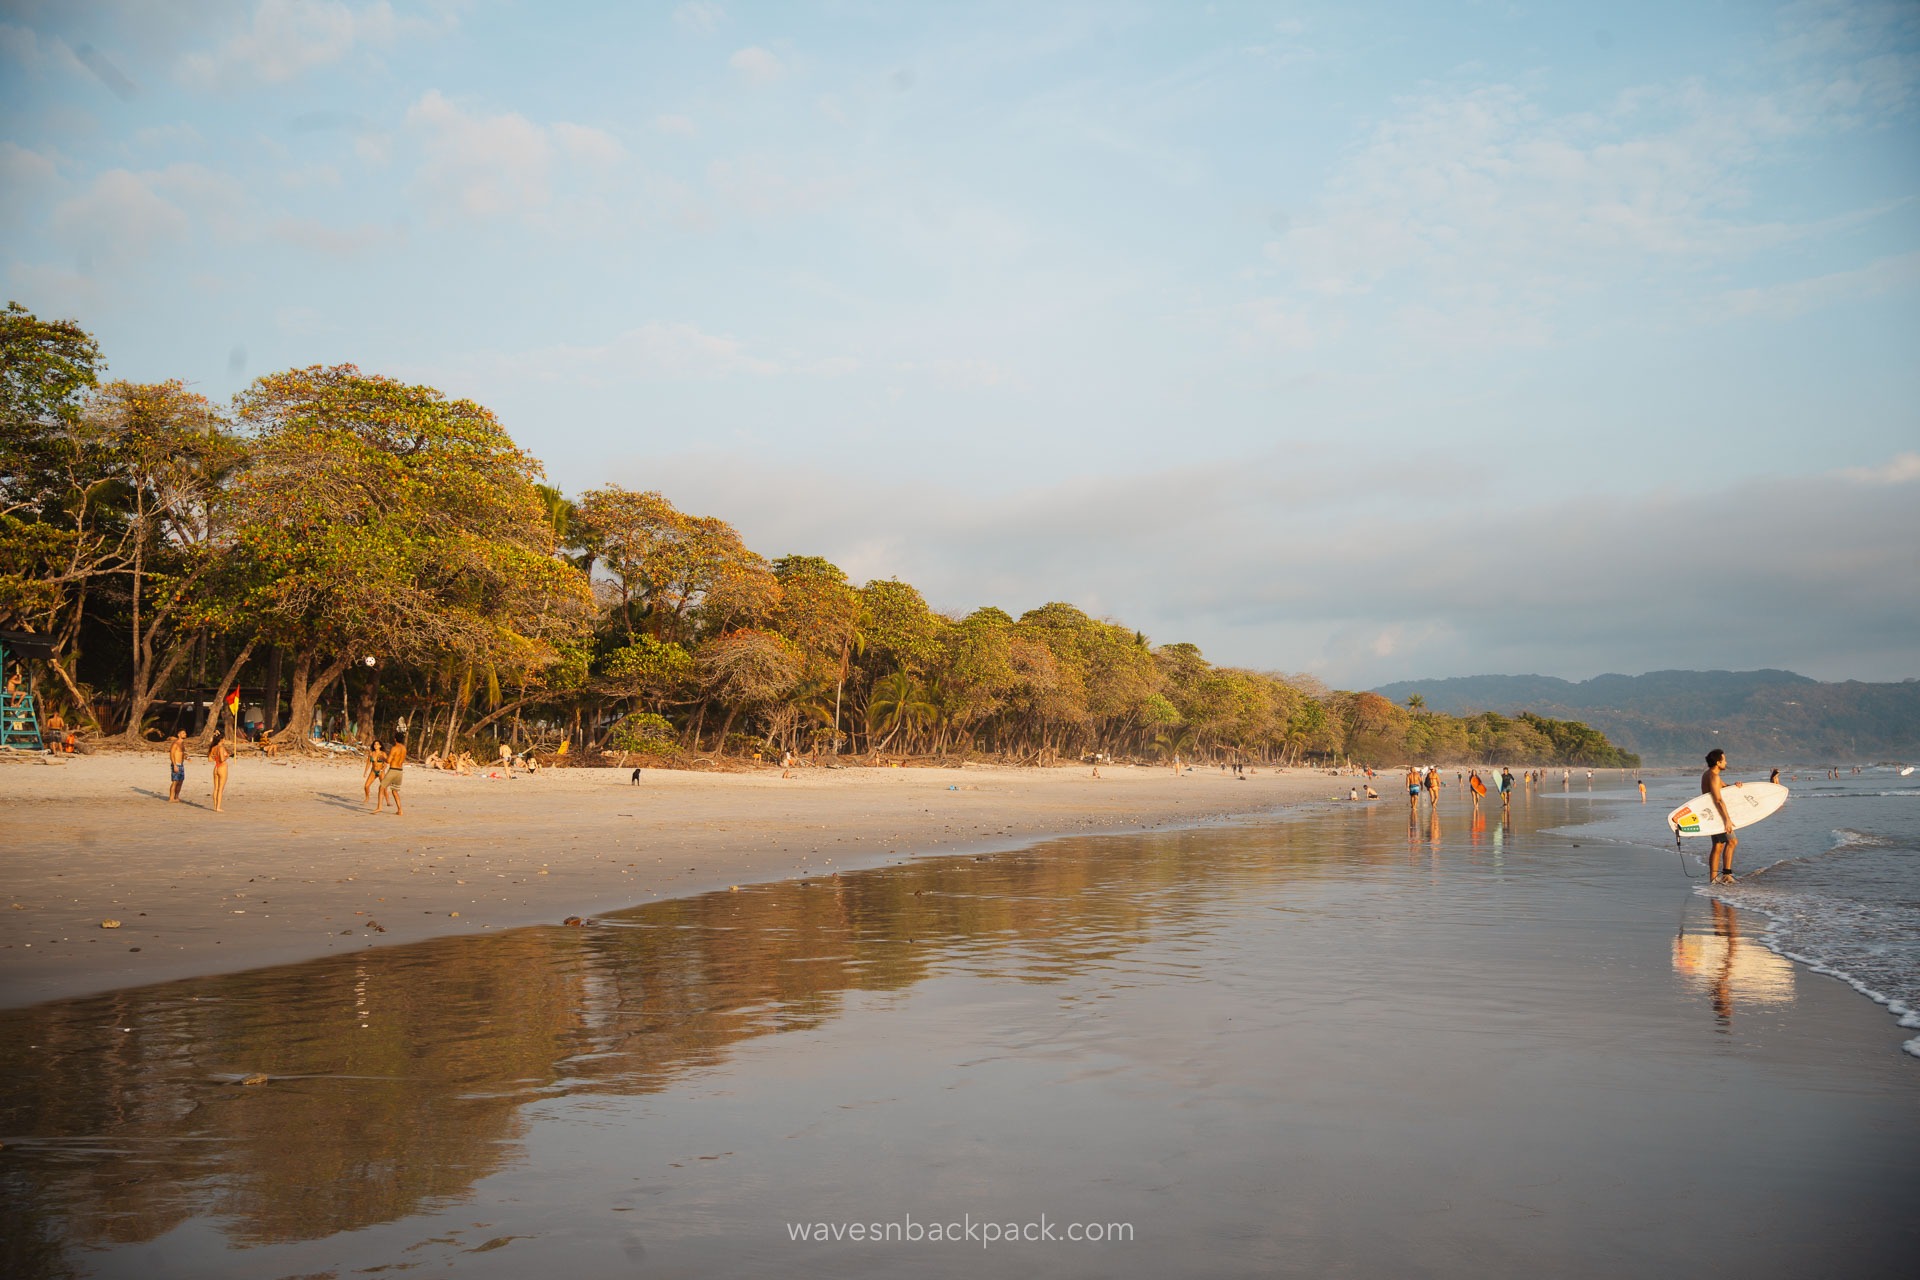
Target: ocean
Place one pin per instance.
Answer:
(1836, 873)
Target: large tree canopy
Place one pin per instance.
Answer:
(175, 549)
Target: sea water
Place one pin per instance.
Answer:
(1836, 873)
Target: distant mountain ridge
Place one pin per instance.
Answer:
(1761, 717)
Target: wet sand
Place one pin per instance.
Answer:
(1339, 1044)
(296, 868)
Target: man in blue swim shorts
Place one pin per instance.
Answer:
(176, 765)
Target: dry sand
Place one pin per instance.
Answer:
(297, 867)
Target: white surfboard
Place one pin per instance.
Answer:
(1748, 802)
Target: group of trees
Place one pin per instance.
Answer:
(379, 552)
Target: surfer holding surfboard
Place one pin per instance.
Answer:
(1725, 842)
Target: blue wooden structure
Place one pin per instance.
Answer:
(19, 717)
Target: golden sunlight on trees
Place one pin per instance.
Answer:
(391, 552)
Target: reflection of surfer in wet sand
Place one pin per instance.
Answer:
(1724, 926)
(1720, 859)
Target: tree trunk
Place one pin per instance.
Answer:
(220, 694)
(270, 696)
(306, 694)
(80, 703)
(147, 683)
(720, 747)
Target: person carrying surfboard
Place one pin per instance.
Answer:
(1720, 858)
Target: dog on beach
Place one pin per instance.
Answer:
(636, 778)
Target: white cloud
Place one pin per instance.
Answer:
(1902, 469)
(483, 166)
(1781, 301)
(35, 53)
(120, 217)
(757, 64)
(700, 16)
(26, 177)
(594, 147)
(758, 188)
(1303, 560)
(675, 125)
(287, 38)
(1478, 216)
(338, 242)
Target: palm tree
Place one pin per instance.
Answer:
(562, 516)
(1416, 703)
(896, 703)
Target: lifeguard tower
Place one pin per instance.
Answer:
(19, 717)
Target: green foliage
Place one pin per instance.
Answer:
(342, 513)
(643, 733)
(649, 669)
(899, 628)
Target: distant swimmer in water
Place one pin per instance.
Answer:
(1720, 860)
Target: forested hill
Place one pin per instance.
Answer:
(1760, 717)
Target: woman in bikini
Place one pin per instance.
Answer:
(376, 762)
(218, 755)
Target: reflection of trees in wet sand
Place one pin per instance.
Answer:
(395, 1076)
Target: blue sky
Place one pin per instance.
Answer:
(1376, 341)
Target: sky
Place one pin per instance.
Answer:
(1372, 341)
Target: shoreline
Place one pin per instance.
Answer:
(297, 869)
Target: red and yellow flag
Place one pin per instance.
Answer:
(233, 703)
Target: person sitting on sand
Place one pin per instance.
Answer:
(1371, 793)
(391, 777)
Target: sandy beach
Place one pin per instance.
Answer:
(297, 868)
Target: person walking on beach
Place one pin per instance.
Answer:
(1506, 787)
(1432, 784)
(218, 754)
(1476, 788)
(391, 778)
(1643, 790)
(376, 761)
(1413, 785)
(176, 765)
(1720, 859)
